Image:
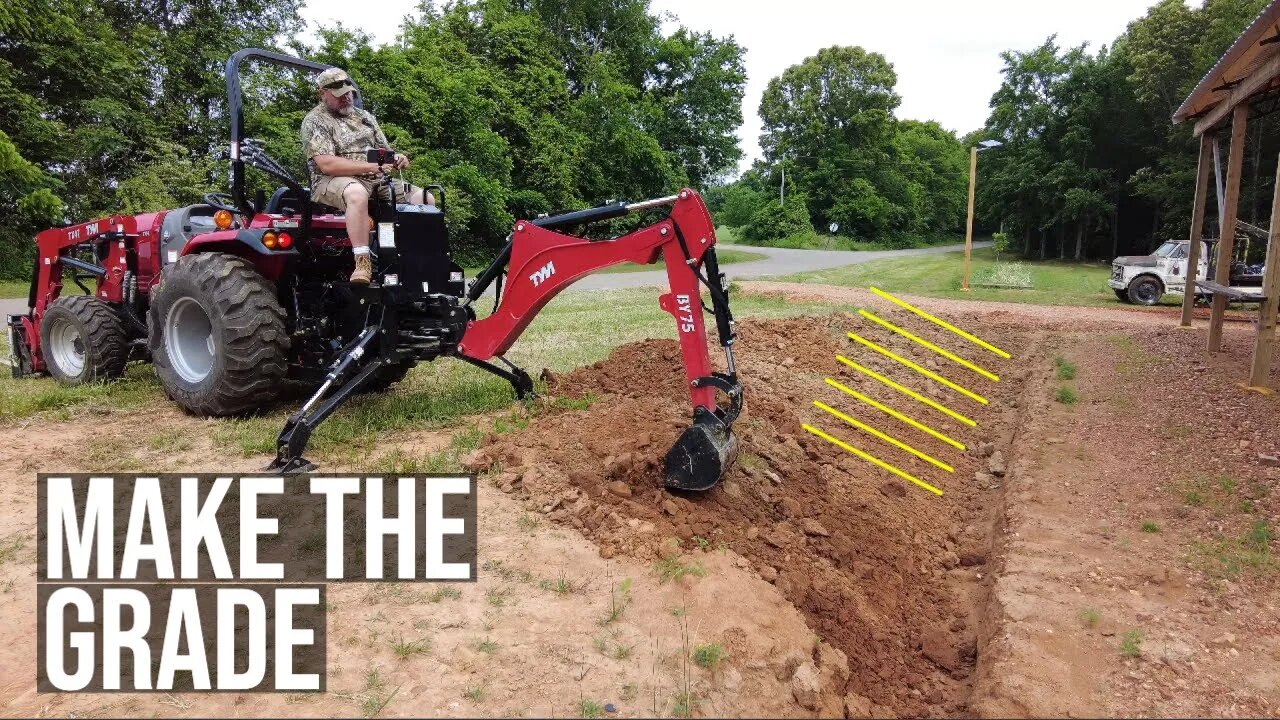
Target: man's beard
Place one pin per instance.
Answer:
(342, 110)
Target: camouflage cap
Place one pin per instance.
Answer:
(334, 75)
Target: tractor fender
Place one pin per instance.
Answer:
(234, 242)
(246, 243)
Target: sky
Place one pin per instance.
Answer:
(946, 52)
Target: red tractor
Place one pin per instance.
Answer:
(231, 297)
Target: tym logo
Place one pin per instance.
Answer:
(540, 276)
(684, 313)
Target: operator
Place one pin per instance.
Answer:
(335, 137)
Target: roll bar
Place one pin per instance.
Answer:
(235, 108)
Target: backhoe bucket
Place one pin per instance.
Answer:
(702, 455)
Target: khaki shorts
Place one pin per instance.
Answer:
(328, 190)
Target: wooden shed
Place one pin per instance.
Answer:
(1245, 79)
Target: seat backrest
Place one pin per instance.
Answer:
(179, 226)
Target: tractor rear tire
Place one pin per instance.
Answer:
(83, 341)
(217, 335)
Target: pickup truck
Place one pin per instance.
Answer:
(1144, 279)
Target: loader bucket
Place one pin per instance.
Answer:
(701, 455)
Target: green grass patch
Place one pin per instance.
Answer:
(941, 275)
(822, 241)
(1091, 616)
(673, 568)
(1065, 369)
(588, 708)
(1230, 557)
(709, 655)
(1131, 643)
(1066, 396)
(1150, 527)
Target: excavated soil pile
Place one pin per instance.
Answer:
(884, 571)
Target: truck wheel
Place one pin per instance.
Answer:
(1145, 290)
(217, 335)
(83, 341)
(1123, 296)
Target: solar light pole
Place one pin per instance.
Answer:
(973, 179)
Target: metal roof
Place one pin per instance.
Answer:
(1244, 56)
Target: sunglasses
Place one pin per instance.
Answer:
(338, 84)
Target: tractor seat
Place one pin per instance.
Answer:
(284, 202)
(180, 225)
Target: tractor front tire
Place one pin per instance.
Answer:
(217, 335)
(83, 341)
(1145, 290)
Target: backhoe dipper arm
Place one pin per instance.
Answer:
(543, 262)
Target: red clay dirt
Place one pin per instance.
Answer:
(884, 571)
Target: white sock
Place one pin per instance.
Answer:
(361, 249)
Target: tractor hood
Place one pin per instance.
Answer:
(1136, 260)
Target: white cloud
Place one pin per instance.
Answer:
(946, 52)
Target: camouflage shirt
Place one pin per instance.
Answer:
(324, 133)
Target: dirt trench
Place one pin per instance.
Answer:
(891, 575)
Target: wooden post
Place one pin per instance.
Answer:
(1226, 243)
(968, 228)
(1259, 374)
(1197, 226)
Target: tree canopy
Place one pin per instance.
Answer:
(518, 106)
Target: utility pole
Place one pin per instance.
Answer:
(968, 227)
(782, 188)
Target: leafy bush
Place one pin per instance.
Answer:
(770, 222)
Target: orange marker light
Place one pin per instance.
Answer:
(269, 239)
(222, 219)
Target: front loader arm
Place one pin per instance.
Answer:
(543, 262)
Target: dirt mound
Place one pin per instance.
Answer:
(885, 572)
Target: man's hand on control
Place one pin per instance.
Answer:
(402, 162)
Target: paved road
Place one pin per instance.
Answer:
(780, 261)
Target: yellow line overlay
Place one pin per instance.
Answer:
(925, 343)
(907, 391)
(942, 323)
(927, 373)
(892, 441)
(873, 460)
(894, 413)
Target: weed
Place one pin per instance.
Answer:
(622, 652)
(672, 568)
(10, 546)
(684, 705)
(1245, 506)
(1066, 396)
(373, 679)
(602, 645)
(562, 585)
(1131, 643)
(1066, 370)
(486, 646)
(475, 693)
(709, 655)
(497, 598)
(1091, 616)
(619, 599)
(406, 648)
(1227, 485)
(1150, 527)
(702, 542)
(528, 522)
(444, 592)
(590, 708)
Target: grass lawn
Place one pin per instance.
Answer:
(1054, 282)
(578, 328)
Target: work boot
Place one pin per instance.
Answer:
(364, 270)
